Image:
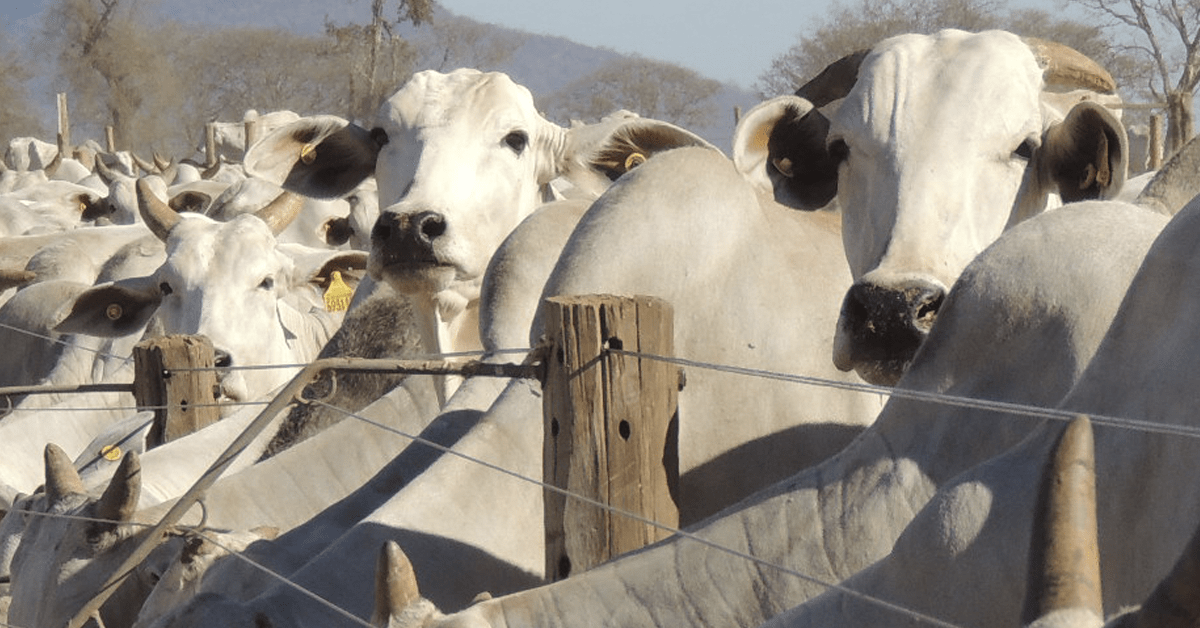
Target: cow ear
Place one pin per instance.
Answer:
(1086, 156)
(780, 147)
(190, 201)
(319, 156)
(110, 310)
(598, 154)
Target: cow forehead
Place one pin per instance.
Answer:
(949, 90)
(201, 250)
(433, 100)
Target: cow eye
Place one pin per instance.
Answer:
(379, 136)
(517, 140)
(165, 288)
(1025, 150)
(839, 151)
(268, 283)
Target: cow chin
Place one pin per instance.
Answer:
(417, 279)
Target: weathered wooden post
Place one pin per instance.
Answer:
(250, 126)
(210, 144)
(64, 126)
(610, 428)
(110, 139)
(182, 398)
(1154, 143)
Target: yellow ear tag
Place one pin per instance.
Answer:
(634, 160)
(308, 154)
(111, 452)
(337, 297)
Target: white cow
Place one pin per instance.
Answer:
(216, 273)
(976, 533)
(940, 143)
(838, 518)
(459, 160)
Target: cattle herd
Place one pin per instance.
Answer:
(938, 233)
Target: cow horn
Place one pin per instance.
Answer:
(280, 213)
(159, 217)
(61, 477)
(120, 499)
(1071, 568)
(162, 162)
(835, 81)
(212, 170)
(395, 584)
(146, 166)
(1066, 67)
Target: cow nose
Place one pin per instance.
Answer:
(409, 236)
(428, 225)
(881, 327)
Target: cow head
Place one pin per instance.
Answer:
(460, 159)
(940, 143)
(226, 280)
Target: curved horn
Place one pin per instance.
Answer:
(156, 214)
(146, 166)
(120, 499)
(280, 213)
(212, 170)
(162, 162)
(1071, 567)
(105, 173)
(395, 584)
(52, 167)
(61, 477)
(1064, 66)
(835, 81)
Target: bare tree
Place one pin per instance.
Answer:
(857, 26)
(111, 61)
(379, 58)
(458, 42)
(1166, 38)
(650, 88)
(17, 114)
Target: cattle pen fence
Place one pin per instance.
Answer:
(610, 394)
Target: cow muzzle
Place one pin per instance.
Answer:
(881, 327)
(404, 251)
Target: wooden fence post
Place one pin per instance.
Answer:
(210, 144)
(1154, 143)
(64, 126)
(611, 428)
(182, 399)
(110, 139)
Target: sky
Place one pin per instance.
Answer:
(732, 41)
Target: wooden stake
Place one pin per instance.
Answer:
(182, 399)
(610, 428)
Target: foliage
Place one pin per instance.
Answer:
(17, 115)
(1163, 36)
(854, 27)
(457, 42)
(650, 88)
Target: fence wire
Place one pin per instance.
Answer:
(937, 398)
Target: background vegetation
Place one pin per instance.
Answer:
(157, 83)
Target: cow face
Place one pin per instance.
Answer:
(942, 142)
(464, 160)
(229, 281)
